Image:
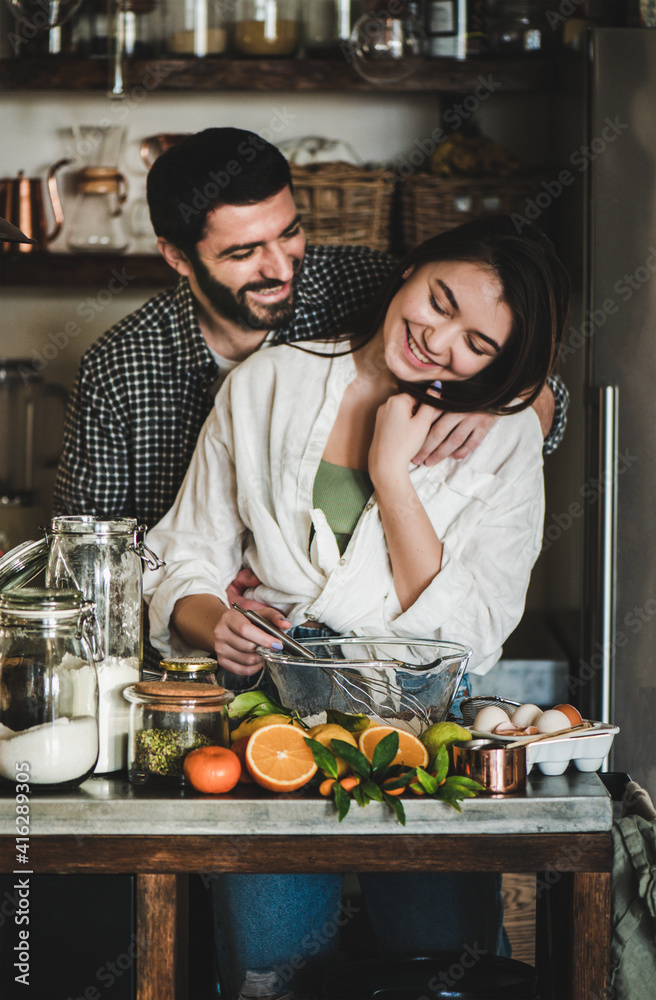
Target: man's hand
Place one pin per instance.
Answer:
(456, 435)
(245, 580)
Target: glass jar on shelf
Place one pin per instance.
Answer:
(264, 28)
(168, 721)
(196, 28)
(327, 26)
(185, 669)
(519, 27)
(48, 688)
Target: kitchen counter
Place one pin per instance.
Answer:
(560, 829)
(573, 802)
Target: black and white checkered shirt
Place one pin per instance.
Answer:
(145, 388)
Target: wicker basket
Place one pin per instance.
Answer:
(340, 203)
(432, 204)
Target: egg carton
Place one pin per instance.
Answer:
(585, 750)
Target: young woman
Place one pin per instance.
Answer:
(304, 473)
(304, 470)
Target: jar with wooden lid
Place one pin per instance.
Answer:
(167, 721)
(187, 669)
(265, 28)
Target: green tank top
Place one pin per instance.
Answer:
(341, 494)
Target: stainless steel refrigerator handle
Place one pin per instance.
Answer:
(608, 426)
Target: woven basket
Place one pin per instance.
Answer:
(340, 203)
(432, 204)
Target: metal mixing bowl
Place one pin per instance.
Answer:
(406, 683)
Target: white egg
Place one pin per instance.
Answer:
(525, 715)
(489, 717)
(551, 721)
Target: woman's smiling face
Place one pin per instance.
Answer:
(447, 322)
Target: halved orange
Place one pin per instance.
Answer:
(279, 759)
(411, 752)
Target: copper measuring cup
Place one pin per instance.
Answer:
(499, 768)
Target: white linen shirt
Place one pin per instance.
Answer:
(247, 500)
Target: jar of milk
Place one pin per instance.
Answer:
(48, 689)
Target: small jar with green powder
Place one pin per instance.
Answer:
(167, 721)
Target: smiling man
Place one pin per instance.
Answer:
(222, 207)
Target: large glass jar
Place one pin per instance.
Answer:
(103, 560)
(266, 27)
(167, 721)
(185, 669)
(48, 688)
(196, 27)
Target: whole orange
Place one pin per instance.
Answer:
(239, 748)
(212, 770)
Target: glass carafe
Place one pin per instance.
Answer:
(97, 219)
(103, 560)
(48, 689)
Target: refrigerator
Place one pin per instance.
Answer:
(615, 678)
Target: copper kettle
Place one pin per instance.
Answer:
(22, 204)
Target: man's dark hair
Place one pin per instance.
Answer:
(219, 166)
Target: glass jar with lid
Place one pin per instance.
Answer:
(48, 688)
(103, 559)
(266, 27)
(167, 721)
(185, 669)
(196, 27)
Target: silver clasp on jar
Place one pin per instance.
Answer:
(88, 627)
(147, 556)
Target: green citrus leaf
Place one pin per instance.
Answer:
(385, 752)
(396, 806)
(427, 781)
(342, 801)
(323, 758)
(440, 764)
(357, 760)
(372, 790)
(360, 795)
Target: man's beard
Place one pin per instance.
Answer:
(234, 305)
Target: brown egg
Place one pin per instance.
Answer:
(574, 717)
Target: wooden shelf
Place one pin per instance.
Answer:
(90, 271)
(270, 75)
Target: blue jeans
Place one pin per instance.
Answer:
(291, 923)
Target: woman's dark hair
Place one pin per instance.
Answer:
(219, 166)
(534, 285)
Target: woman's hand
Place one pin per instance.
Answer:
(235, 640)
(402, 424)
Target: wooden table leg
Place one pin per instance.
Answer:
(591, 920)
(573, 932)
(162, 913)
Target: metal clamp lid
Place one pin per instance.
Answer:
(149, 558)
(22, 564)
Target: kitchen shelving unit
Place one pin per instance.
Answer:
(62, 73)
